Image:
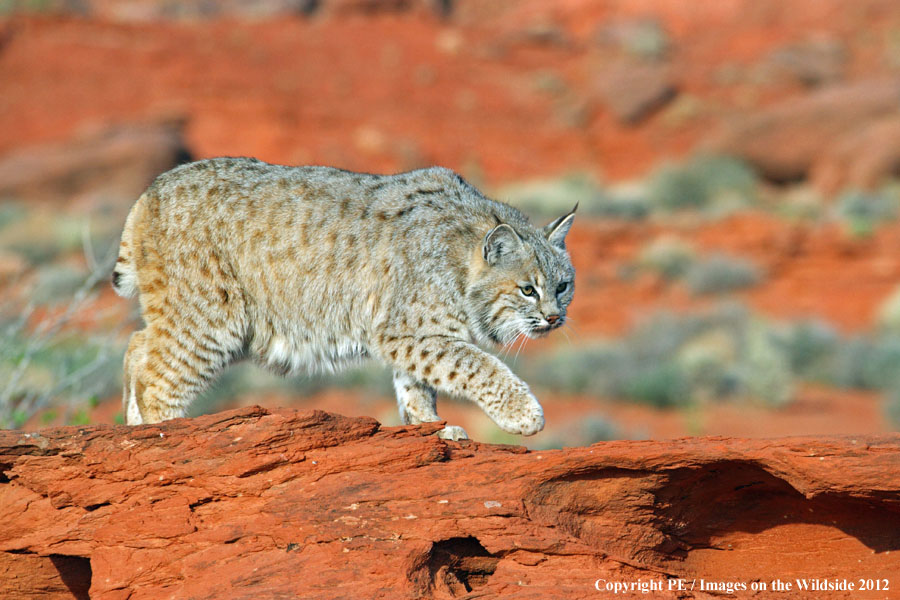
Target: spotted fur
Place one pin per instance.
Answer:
(314, 267)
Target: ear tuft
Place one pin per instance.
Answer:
(556, 231)
(500, 243)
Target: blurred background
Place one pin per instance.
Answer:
(736, 164)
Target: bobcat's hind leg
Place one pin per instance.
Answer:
(131, 386)
(167, 367)
(416, 402)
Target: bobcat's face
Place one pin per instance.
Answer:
(527, 284)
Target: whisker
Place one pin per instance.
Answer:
(524, 341)
(508, 346)
(579, 338)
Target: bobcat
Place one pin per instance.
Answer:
(317, 267)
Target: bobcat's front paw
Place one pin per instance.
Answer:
(523, 416)
(453, 432)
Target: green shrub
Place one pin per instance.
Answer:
(11, 213)
(851, 364)
(888, 319)
(654, 364)
(702, 181)
(892, 406)
(46, 363)
(674, 360)
(709, 361)
(866, 362)
(245, 378)
(863, 212)
(79, 417)
(720, 273)
(593, 369)
(550, 198)
(676, 188)
(625, 208)
(661, 386)
(766, 368)
(597, 428)
(671, 257)
(866, 207)
(810, 346)
(587, 430)
(643, 38)
(63, 371)
(646, 39)
(880, 364)
(49, 416)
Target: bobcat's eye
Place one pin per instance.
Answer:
(528, 290)
(561, 288)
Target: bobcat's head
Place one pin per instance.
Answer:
(525, 284)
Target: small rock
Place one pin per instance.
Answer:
(633, 91)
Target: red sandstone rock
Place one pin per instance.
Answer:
(294, 504)
(117, 161)
(195, 10)
(863, 159)
(787, 141)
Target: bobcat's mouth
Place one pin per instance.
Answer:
(546, 329)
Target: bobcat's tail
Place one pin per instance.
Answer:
(124, 277)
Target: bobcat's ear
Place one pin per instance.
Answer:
(556, 231)
(501, 243)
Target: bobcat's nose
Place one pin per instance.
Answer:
(552, 319)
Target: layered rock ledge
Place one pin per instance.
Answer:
(258, 503)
